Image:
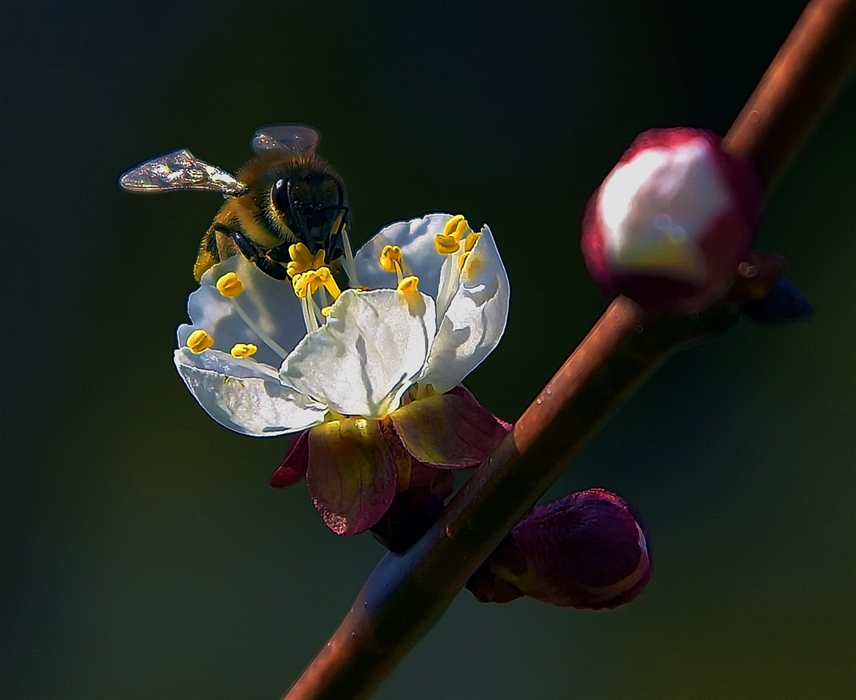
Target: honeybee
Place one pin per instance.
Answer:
(286, 194)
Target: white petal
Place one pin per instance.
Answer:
(266, 314)
(366, 356)
(244, 395)
(416, 240)
(655, 207)
(475, 319)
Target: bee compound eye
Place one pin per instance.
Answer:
(279, 195)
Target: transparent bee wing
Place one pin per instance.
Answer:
(180, 171)
(290, 138)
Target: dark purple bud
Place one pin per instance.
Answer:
(587, 550)
(415, 509)
(784, 304)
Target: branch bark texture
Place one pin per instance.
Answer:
(407, 593)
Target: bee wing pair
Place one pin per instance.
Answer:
(181, 171)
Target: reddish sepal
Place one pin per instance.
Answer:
(293, 467)
(448, 430)
(351, 475)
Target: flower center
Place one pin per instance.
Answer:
(305, 285)
(316, 288)
(302, 260)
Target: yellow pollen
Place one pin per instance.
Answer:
(409, 288)
(452, 224)
(243, 350)
(229, 285)
(470, 241)
(445, 244)
(462, 260)
(325, 312)
(462, 229)
(302, 260)
(325, 277)
(390, 258)
(307, 283)
(301, 282)
(199, 341)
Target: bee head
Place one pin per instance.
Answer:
(313, 207)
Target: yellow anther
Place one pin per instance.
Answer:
(457, 227)
(325, 277)
(325, 312)
(461, 229)
(314, 278)
(199, 341)
(300, 283)
(445, 244)
(452, 224)
(229, 285)
(462, 260)
(302, 260)
(409, 287)
(470, 241)
(243, 350)
(390, 256)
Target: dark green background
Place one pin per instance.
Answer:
(144, 555)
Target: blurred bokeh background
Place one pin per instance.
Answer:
(144, 555)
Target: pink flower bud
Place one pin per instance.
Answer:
(587, 550)
(672, 221)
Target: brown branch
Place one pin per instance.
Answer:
(406, 594)
(801, 81)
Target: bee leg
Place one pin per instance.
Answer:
(208, 256)
(270, 267)
(280, 254)
(251, 252)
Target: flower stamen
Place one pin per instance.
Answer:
(302, 260)
(350, 266)
(305, 284)
(462, 260)
(325, 278)
(199, 341)
(445, 244)
(461, 229)
(408, 288)
(422, 391)
(391, 260)
(454, 224)
(257, 328)
(230, 285)
(243, 350)
(449, 242)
